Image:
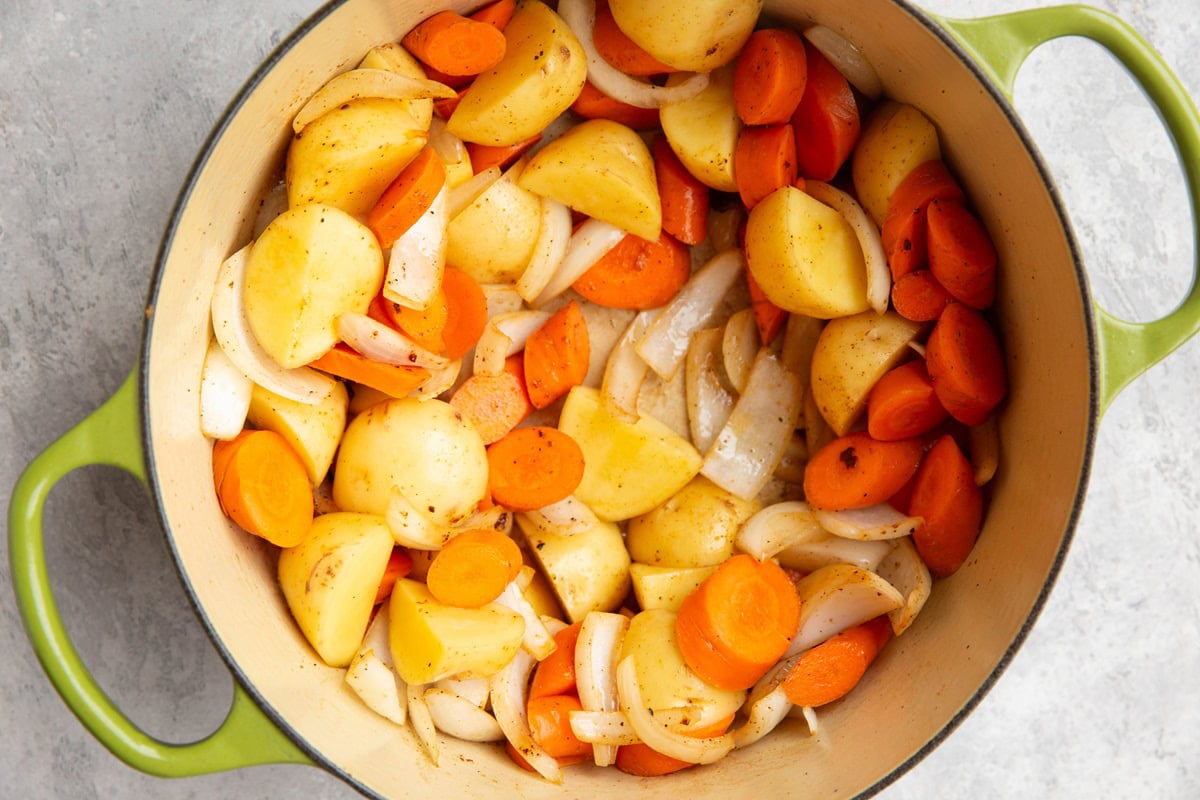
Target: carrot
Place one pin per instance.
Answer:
(555, 674)
(738, 622)
(262, 486)
(619, 50)
(399, 564)
(497, 14)
(533, 467)
(407, 197)
(454, 44)
(684, 198)
(904, 225)
(919, 297)
(487, 155)
(595, 104)
(965, 364)
(444, 106)
(452, 323)
(394, 380)
(961, 253)
(830, 670)
(637, 273)
(827, 121)
(640, 760)
(903, 405)
(520, 761)
(764, 159)
(473, 568)
(423, 325)
(768, 317)
(550, 725)
(494, 404)
(857, 470)
(946, 497)
(769, 76)
(556, 356)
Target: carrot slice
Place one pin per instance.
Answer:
(407, 197)
(641, 760)
(556, 356)
(857, 470)
(961, 253)
(550, 725)
(965, 364)
(473, 568)
(399, 564)
(738, 622)
(555, 674)
(619, 50)
(946, 497)
(685, 200)
(764, 159)
(444, 106)
(533, 467)
(595, 104)
(637, 273)
(904, 225)
(484, 156)
(827, 121)
(394, 380)
(497, 14)
(262, 486)
(452, 323)
(919, 297)
(494, 404)
(768, 317)
(456, 45)
(830, 670)
(769, 76)
(903, 404)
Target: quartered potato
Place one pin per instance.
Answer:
(314, 430)
(895, 139)
(703, 131)
(694, 35)
(492, 238)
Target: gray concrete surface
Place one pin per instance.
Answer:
(102, 107)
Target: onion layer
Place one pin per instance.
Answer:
(587, 245)
(879, 274)
(848, 59)
(509, 692)
(224, 395)
(596, 651)
(460, 718)
(418, 258)
(871, 524)
(651, 731)
(384, 344)
(554, 237)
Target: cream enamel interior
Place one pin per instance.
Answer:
(923, 679)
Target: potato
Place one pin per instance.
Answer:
(542, 72)
(805, 256)
(493, 237)
(665, 679)
(394, 58)
(852, 353)
(695, 35)
(329, 581)
(703, 131)
(665, 587)
(602, 169)
(313, 430)
(695, 527)
(311, 264)
(431, 640)
(347, 157)
(589, 571)
(895, 139)
(630, 467)
(423, 448)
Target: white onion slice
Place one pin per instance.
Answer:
(749, 446)
(422, 721)
(800, 335)
(765, 714)
(587, 245)
(449, 148)
(384, 344)
(224, 395)
(602, 728)
(412, 527)
(359, 83)
(838, 597)
(821, 549)
(739, 346)
(879, 274)
(460, 718)
(465, 193)
(709, 403)
(665, 343)
(984, 447)
(809, 715)
(232, 331)
(650, 728)
(509, 692)
(537, 641)
(568, 517)
(596, 652)
(774, 528)
(439, 380)
(904, 569)
(372, 675)
(871, 524)
(848, 59)
(505, 335)
(474, 690)
(580, 16)
(625, 370)
(794, 459)
(418, 258)
(554, 237)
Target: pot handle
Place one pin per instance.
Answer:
(110, 436)
(1000, 44)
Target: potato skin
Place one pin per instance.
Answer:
(695, 527)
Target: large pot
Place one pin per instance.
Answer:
(1067, 359)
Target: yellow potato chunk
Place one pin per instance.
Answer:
(695, 35)
(703, 130)
(492, 238)
(695, 527)
(312, 429)
(588, 570)
(665, 587)
(895, 139)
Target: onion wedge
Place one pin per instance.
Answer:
(473, 689)
(904, 569)
(709, 403)
(509, 692)
(411, 527)
(418, 259)
(879, 274)
(838, 597)
(422, 721)
(789, 532)
(372, 674)
(359, 83)
(799, 340)
(537, 640)
(504, 335)
(587, 245)
(765, 715)
(554, 237)
(567, 517)
(224, 395)
(848, 59)
(596, 652)
(460, 718)
(872, 524)
(739, 346)
(439, 380)
(624, 371)
(384, 344)
(985, 449)
(650, 729)
(602, 728)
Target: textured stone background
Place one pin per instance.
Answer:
(103, 105)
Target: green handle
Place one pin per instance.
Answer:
(1000, 44)
(110, 436)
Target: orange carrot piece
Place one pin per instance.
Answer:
(685, 200)
(738, 622)
(764, 159)
(827, 122)
(466, 312)
(856, 471)
(768, 317)
(444, 106)
(556, 356)
(407, 197)
(394, 380)
(637, 273)
(595, 104)
(830, 670)
(262, 485)
(619, 50)
(640, 760)
(456, 45)
(904, 225)
(533, 467)
(399, 564)
(497, 14)
(946, 497)
(473, 568)
(769, 76)
(961, 253)
(919, 297)
(487, 155)
(555, 674)
(494, 404)
(903, 404)
(965, 364)
(550, 725)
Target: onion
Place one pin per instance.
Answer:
(422, 720)
(665, 401)
(904, 569)
(774, 528)
(871, 524)
(449, 148)
(809, 714)
(879, 274)
(536, 640)
(384, 344)
(465, 193)
(985, 449)
(602, 728)
(709, 403)
(554, 236)
(838, 597)
(411, 527)
(739, 346)
(580, 16)
(232, 330)
(508, 689)
(460, 718)
(439, 380)
(848, 59)
(749, 446)
(418, 259)
(799, 340)
(817, 432)
(359, 83)
(765, 714)
(372, 674)
(568, 517)
(624, 371)
(504, 335)
(650, 729)
(224, 395)
(821, 549)
(474, 690)
(596, 652)
(587, 245)
(502, 298)
(795, 457)
(665, 342)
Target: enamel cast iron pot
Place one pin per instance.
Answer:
(1066, 359)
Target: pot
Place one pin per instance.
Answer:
(1067, 360)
